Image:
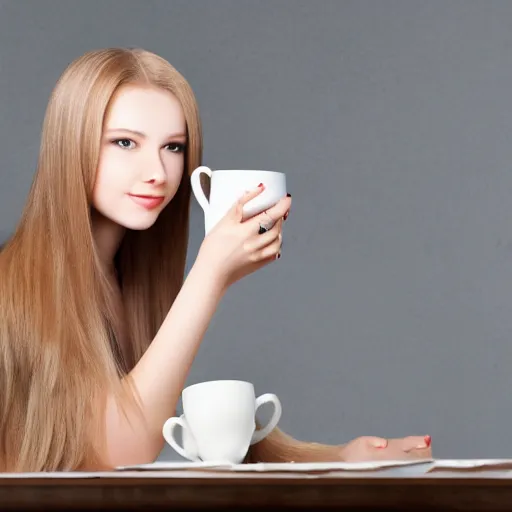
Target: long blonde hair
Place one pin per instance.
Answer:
(58, 349)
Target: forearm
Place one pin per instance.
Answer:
(161, 373)
(281, 447)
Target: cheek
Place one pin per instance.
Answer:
(110, 182)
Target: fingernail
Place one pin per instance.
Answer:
(278, 255)
(260, 185)
(288, 195)
(285, 216)
(428, 441)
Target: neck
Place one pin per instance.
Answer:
(107, 236)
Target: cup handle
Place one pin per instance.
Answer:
(197, 189)
(168, 433)
(274, 420)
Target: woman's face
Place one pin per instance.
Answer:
(142, 156)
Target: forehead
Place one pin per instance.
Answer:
(153, 111)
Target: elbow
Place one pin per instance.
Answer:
(134, 451)
(130, 440)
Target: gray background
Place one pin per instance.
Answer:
(390, 311)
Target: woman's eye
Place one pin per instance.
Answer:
(175, 147)
(124, 143)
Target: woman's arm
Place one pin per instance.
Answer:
(161, 373)
(231, 251)
(281, 447)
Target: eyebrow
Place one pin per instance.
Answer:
(143, 135)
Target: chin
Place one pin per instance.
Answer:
(138, 224)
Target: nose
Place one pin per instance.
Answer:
(155, 171)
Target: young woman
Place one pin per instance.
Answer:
(98, 327)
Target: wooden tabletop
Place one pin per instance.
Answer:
(245, 492)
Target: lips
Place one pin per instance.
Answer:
(147, 202)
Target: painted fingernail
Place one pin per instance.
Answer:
(260, 185)
(288, 195)
(285, 216)
(426, 444)
(278, 255)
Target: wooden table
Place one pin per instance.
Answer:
(246, 492)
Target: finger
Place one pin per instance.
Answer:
(281, 208)
(418, 454)
(278, 211)
(270, 252)
(416, 443)
(263, 219)
(258, 241)
(288, 211)
(376, 442)
(237, 210)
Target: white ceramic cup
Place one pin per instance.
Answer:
(227, 186)
(219, 421)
